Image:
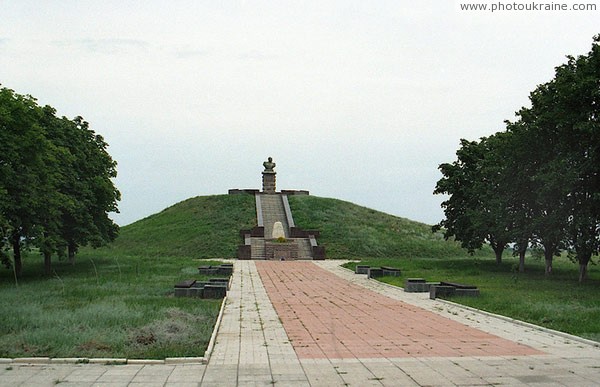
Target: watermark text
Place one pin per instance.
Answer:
(531, 6)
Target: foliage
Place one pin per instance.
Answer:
(55, 182)
(537, 183)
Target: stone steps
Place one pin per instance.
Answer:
(273, 211)
(257, 246)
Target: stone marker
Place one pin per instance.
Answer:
(278, 231)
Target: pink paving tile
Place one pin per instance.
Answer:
(328, 317)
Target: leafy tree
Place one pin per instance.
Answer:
(475, 211)
(55, 182)
(538, 183)
(89, 194)
(22, 169)
(563, 121)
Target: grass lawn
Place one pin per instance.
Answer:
(559, 302)
(106, 305)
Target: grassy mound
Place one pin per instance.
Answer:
(208, 227)
(200, 227)
(351, 231)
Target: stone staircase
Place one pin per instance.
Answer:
(257, 246)
(273, 211)
(258, 241)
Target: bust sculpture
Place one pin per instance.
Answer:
(269, 165)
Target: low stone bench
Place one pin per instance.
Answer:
(441, 291)
(418, 285)
(361, 269)
(448, 289)
(414, 285)
(374, 272)
(181, 288)
(208, 270)
(224, 281)
(391, 271)
(224, 269)
(457, 285)
(214, 290)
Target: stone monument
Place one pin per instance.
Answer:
(268, 176)
(278, 231)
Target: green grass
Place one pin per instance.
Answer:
(559, 302)
(200, 227)
(104, 306)
(351, 231)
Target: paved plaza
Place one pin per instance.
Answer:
(313, 323)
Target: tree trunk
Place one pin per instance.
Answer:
(47, 263)
(582, 272)
(72, 249)
(522, 250)
(498, 254)
(584, 256)
(522, 261)
(16, 245)
(548, 255)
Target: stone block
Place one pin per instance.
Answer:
(215, 291)
(361, 269)
(441, 291)
(196, 292)
(225, 271)
(414, 285)
(391, 271)
(203, 270)
(185, 284)
(223, 281)
(375, 272)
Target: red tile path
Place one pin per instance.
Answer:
(328, 317)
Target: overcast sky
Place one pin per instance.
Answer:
(356, 100)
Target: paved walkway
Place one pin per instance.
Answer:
(254, 349)
(325, 316)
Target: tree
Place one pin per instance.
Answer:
(23, 148)
(87, 170)
(56, 186)
(537, 183)
(564, 123)
(476, 211)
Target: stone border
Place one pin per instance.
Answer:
(522, 323)
(122, 361)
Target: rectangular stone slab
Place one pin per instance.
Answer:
(185, 284)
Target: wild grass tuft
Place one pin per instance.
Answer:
(97, 307)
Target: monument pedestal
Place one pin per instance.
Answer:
(268, 181)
